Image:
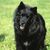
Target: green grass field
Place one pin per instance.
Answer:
(7, 7)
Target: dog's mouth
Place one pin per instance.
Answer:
(21, 27)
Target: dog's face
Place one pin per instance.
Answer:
(24, 13)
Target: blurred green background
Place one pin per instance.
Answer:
(7, 7)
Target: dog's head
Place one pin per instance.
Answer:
(24, 12)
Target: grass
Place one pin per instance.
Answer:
(7, 7)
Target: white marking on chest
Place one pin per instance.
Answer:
(26, 43)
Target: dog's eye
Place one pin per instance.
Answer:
(18, 14)
(23, 14)
(31, 14)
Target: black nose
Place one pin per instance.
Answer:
(22, 23)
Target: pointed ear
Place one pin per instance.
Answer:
(21, 6)
(34, 10)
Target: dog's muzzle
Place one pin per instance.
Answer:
(22, 26)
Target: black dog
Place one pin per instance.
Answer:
(29, 28)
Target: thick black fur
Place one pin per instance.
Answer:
(32, 37)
